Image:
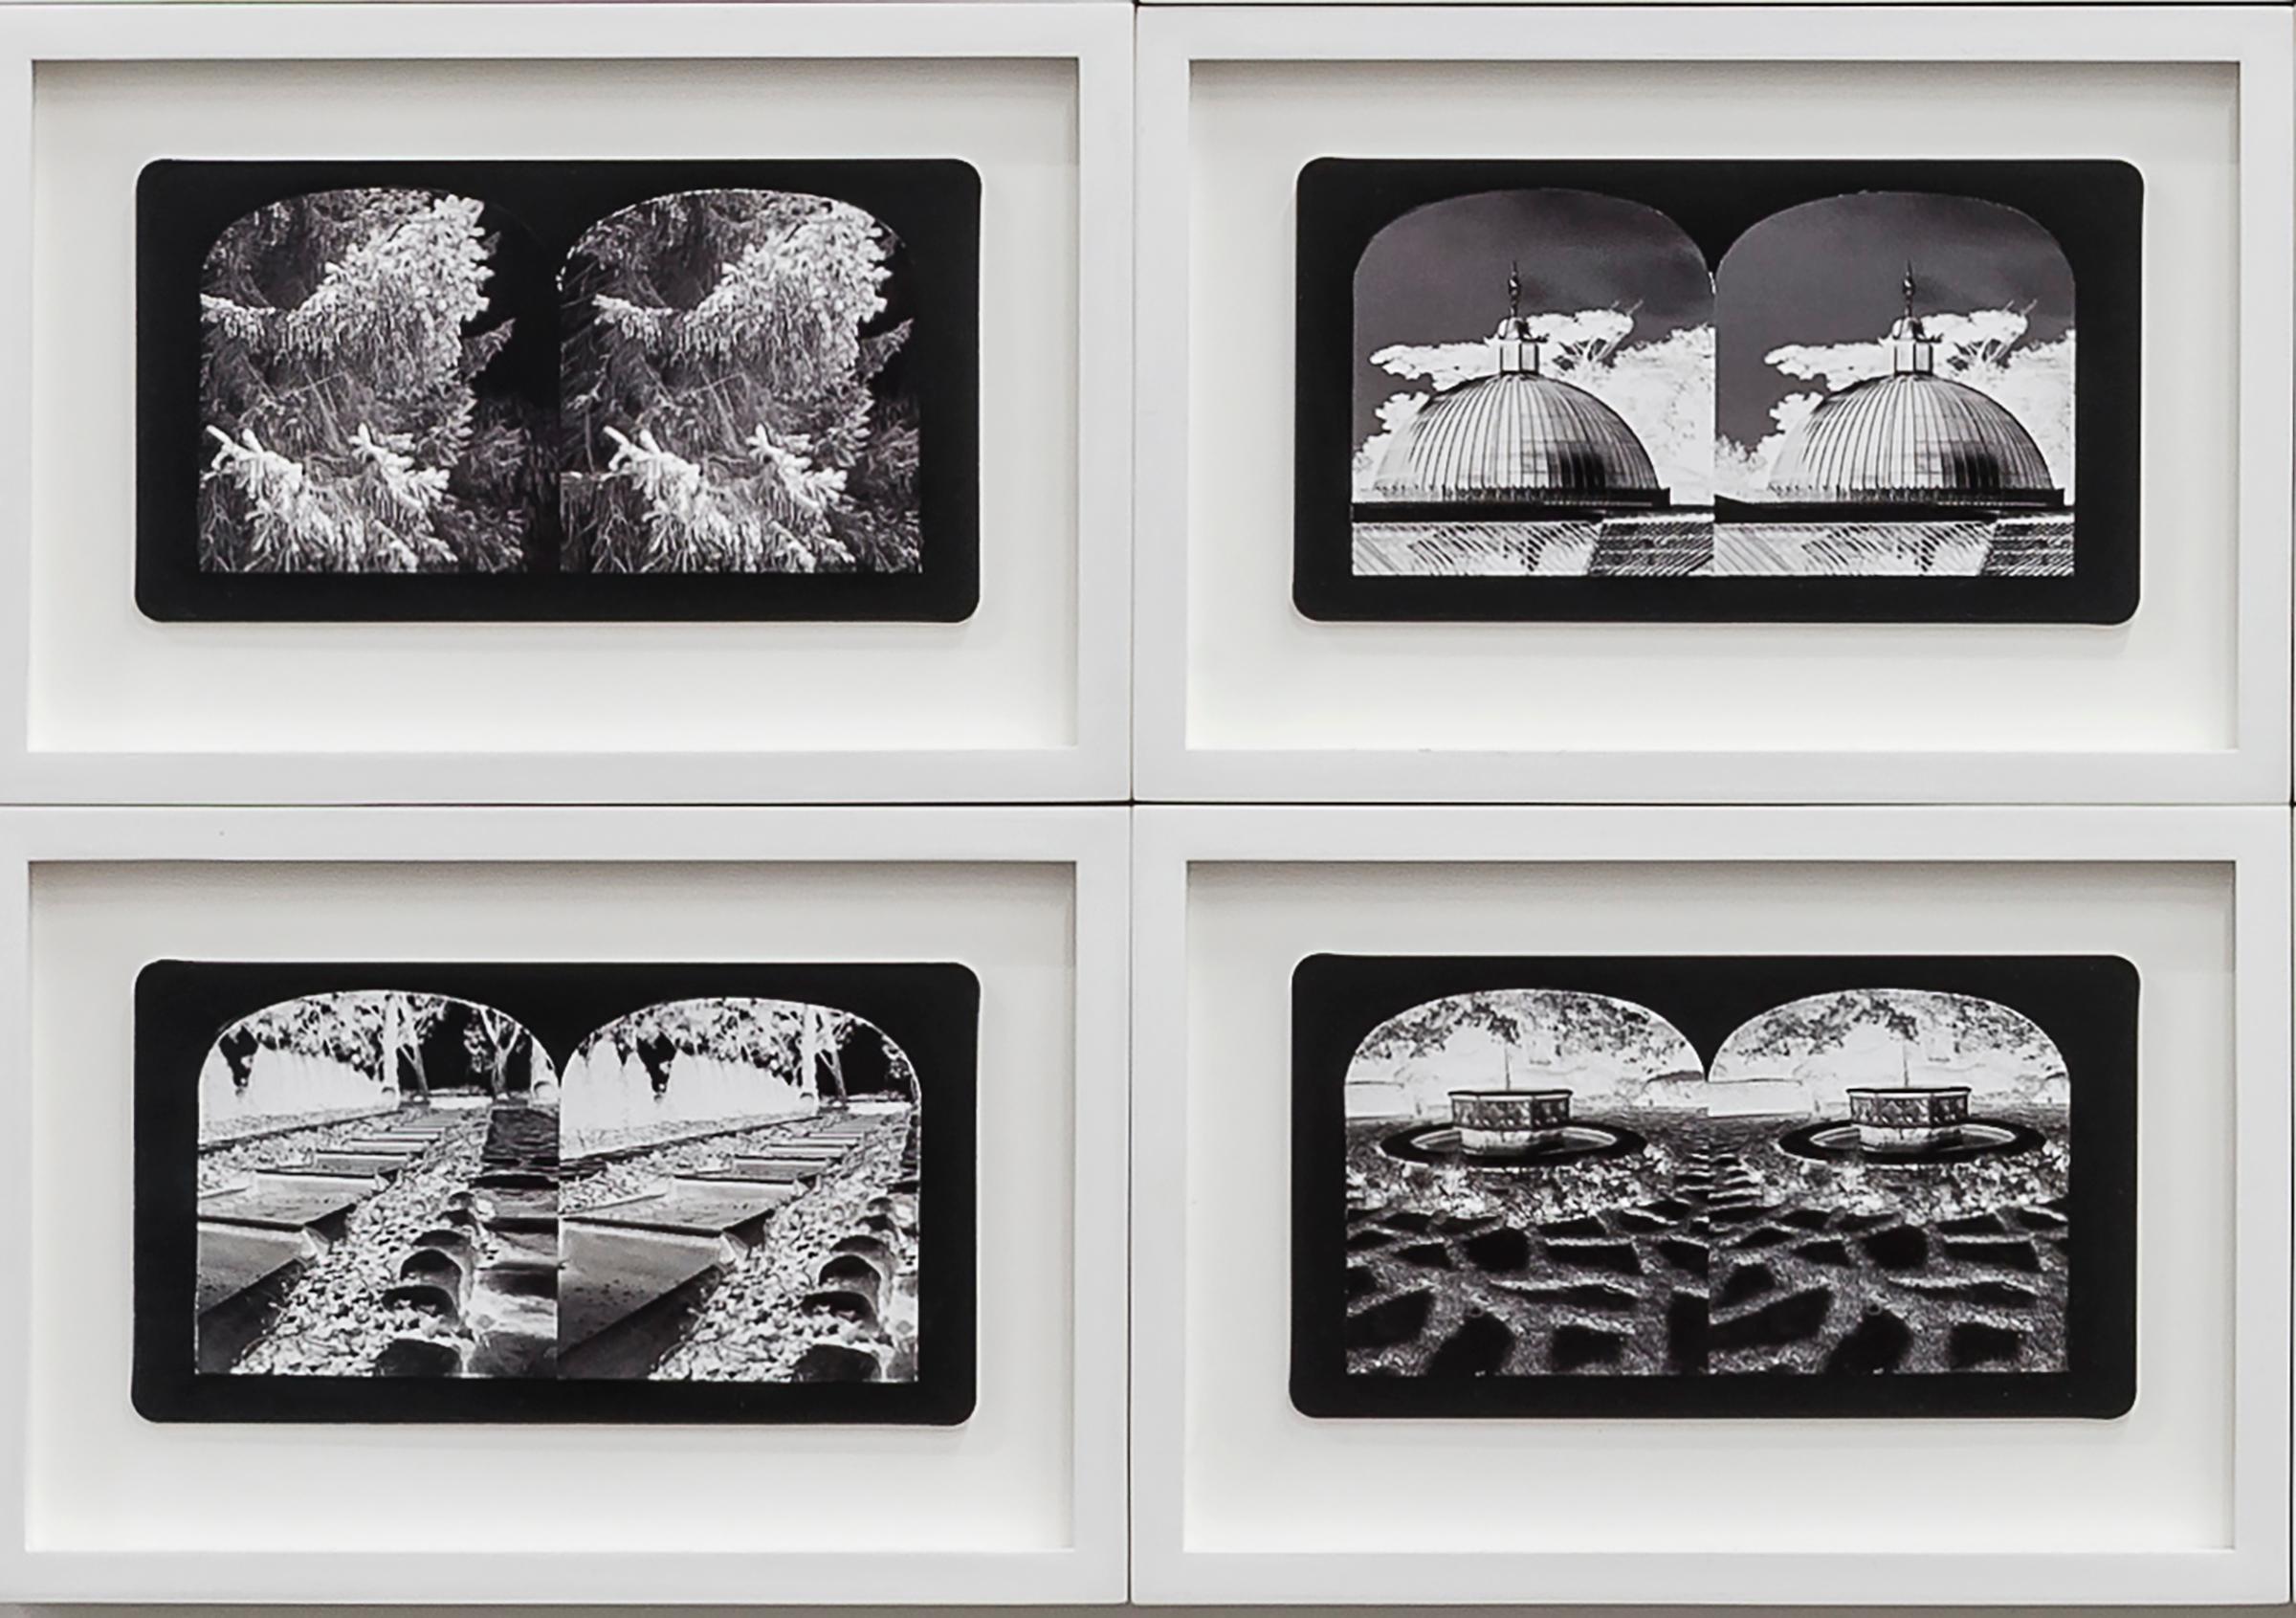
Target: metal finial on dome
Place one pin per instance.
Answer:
(1518, 349)
(1912, 351)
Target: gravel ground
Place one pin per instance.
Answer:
(750, 1329)
(334, 1322)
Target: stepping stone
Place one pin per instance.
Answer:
(2037, 1219)
(852, 1271)
(1745, 1283)
(1451, 1225)
(1635, 1222)
(1618, 1257)
(1600, 1296)
(1805, 1218)
(1582, 1227)
(441, 1269)
(1974, 1342)
(838, 1302)
(417, 1357)
(1794, 1318)
(1502, 1250)
(1573, 1348)
(1878, 1343)
(2001, 1256)
(1427, 1255)
(509, 1180)
(1901, 1248)
(1687, 1256)
(1971, 1225)
(1750, 1213)
(1364, 1241)
(435, 1302)
(1397, 1320)
(1404, 1222)
(1687, 1318)
(870, 1248)
(835, 1362)
(456, 1242)
(285, 1204)
(1479, 1348)
(1825, 1250)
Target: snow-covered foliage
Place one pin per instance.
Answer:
(720, 400)
(342, 334)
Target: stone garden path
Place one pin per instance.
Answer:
(1715, 1277)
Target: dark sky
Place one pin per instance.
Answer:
(1830, 271)
(1439, 275)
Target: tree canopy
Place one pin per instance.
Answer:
(721, 404)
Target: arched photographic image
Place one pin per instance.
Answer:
(375, 1201)
(1757, 1185)
(472, 390)
(1717, 389)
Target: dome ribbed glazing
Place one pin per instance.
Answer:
(1514, 437)
(1911, 438)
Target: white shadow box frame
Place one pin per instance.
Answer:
(1242, 698)
(1237, 1498)
(1025, 700)
(1024, 1502)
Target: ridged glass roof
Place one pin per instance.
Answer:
(1913, 437)
(1514, 437)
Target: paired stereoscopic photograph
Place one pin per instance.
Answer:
(392, 1192)
(1714, 1185)
(1718, 389)
(711, 389)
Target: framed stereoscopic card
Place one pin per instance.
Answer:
(1787, 404)
(385, 1192)
(1500, 1162)
(557, 390)
(738, 1194)
(1713, 1185)
(638, 404)
(1717, 388)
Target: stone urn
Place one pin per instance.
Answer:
(1913, 1118)
(1503, 1122)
